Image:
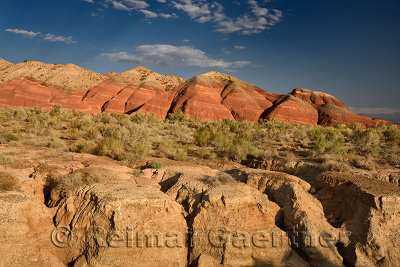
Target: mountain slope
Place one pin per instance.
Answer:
(67, 77)
(4, 64)
(209, 96)
(216, 96)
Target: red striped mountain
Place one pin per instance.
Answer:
(209, 96)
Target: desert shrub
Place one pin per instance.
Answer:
(362, 162)
(6, 160)
(334, 163)
(156, 165)
(205, 154)
(327, 140)
(237, 149)
(72, 134)
(202, 136)
(72, 181)
(11, 137)
(111, 147)
(298, 170)
(55, 143)
(178, 116)
(277, 130)
(140, 150)
(8, 182)
(391, 158)
(56, 110)
(81, 122)
(392, 134)
(84, 146)
(345, 130)
(173, 150)
(366, 140)
(141, 118)
(234, 140)
(312, 190)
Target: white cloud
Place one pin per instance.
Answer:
(89, 1)
(240, 47)
(149, 14)
(24, 33)
(382, 110)
(257, 21)
(226, 51)
(172, 56)
(136, 4)
(120, 6)
(46, 36)
(59, 38)
(168, 16)
(193, 10)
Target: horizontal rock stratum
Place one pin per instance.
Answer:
(210, 96)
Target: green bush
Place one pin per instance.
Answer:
(202, 136)
(327, 140)
(312, 190)
(178, 116)
(11, 137)
(156, 165)
(114, 148)
(140, 150)
(392, 134)
(366, 141)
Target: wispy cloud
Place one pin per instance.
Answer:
(256, 20)
(172, 56)
(239, 47)
(58, 38)
(382, 110)
(149, 14)
(25, 33)
(44, 36)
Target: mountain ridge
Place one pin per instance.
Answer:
(209, 96)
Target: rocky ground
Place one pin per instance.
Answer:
(61, 208)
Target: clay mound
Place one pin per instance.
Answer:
(332, 115)
(293, 110)
(141, 76)
(27, 93)
(110, 74)
(4, 64)
(217, 96)
(317, 98)
(131, 91)
(210, 96)
(68, 77)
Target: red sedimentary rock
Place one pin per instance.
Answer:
(210, 96)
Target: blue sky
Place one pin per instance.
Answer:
(348, 48)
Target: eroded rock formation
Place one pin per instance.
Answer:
(186, 214)
(210, 96)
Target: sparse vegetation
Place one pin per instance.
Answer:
(126, 138)
(8, 182)
(72, 181)
(156, 165)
